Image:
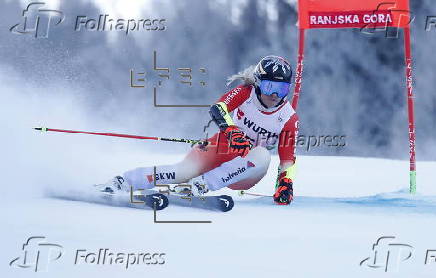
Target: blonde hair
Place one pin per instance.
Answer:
(246, 76)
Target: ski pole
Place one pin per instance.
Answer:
(243, 192)
(202, 142)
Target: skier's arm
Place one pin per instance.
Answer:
(286, 149)
(220, 114)
(220, 111)
(284, 184)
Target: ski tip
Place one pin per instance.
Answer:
(40, 128)
(157, 201)
(226, 203)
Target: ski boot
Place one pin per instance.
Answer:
(114, 185)
(195, 187)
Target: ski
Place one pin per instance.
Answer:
(149, 199)
(222, 203)
(183, 195)
(156, 201)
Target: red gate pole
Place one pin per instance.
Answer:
(299, 70)
(410, 97)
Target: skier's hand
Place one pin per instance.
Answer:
(237, 141)
(284, 193)
(202, 145)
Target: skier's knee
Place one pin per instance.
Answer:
(260, 156)
(187, 170)
(260, 159)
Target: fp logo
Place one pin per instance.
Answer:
(37, 254)
(37, 20)
(388, 255)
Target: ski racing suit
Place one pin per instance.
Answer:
(219, 167)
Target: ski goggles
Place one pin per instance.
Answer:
(268, 88)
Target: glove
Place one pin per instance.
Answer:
(284, 193)
(237, 142)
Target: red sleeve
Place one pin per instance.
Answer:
(288, 139)
(235, 97)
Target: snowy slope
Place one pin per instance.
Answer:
(342, 206)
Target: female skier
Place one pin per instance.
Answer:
(238, 155)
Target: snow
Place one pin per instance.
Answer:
(342, 206)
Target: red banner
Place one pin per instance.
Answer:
(353, 13)
(350, 19)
